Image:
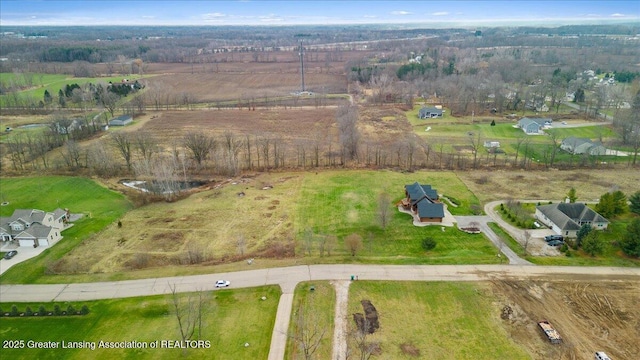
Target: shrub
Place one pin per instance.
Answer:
(28, 311)
(71, 310)
(84, 310)
(42, 311)
(56, 310)
(14, 310)
(564, 248)
(428, 243)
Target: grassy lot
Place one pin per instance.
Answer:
(53, 83)
(318, 308)
(99, 206)
(436, 320)
(342, 203)
(231, 318)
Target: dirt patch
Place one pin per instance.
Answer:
(167, 241)
(367, 322)
(410, 350)
(590, 316)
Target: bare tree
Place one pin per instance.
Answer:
(353, 243)
(475, 141)
(200, 146)
(384, 211)
(360, 337)
(526, 235)
(241, 244)
(309, 331)
(145, 143)
(72, 155)
(308, 236)
(331, 241)
(347, 119)
(100, 160)
(122, 142)
(109, 100)
(188, 312)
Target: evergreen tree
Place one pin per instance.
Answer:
(47, 97)
(630, 243)
(592, 244)
(572, 195)
(619, 202)
(635, 202)
(606, 206)
(582, 233)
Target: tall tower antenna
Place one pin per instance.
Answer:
(301, 54)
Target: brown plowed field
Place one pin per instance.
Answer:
(590, 316)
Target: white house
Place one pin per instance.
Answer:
(567, 218)
(579, 146)
(33, 227)
(534, 126)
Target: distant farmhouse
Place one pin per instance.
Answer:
(579, 146)
(121, 120)
(567, 218)
(429, 112)
(423, 201)
(534, 126)
(32, 227)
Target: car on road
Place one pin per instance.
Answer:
(222, 283)
(555, 242)
(10, 254)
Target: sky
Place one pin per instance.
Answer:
(301, 12)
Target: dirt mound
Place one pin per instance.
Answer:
(369, 321)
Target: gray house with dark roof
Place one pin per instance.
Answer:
(121, 120)
(567, 218)
(423, 201)
(579, 146)
(533, 125)
(429, 112)
(33, 227)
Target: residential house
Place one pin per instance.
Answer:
(33, 227)
(429, 112)
(579, 146)
(567, 218)
(533, 126)
(492, 144)
(121, 120)
(423, 201)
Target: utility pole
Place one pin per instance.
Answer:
(301, 54)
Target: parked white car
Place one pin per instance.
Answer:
(222, 283)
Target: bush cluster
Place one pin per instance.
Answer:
(42, 311)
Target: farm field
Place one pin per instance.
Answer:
(463, 321)
(231, 318)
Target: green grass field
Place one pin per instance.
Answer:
(231, 318)
(342, 203)
(100, 207)
(51, 82)
(318, 308)
(439, 320)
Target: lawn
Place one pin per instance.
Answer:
(231, 318)
(99, 206)
(434, 320)
(342, 203)
(317, 317)
(52, 83)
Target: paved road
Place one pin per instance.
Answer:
(289, 277)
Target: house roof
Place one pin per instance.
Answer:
(433, 110)
(417, 192)
(569, 216)
(35, 231)
(539, 121)
(431, 210)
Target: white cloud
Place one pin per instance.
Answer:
(148, 17)
(440, 13)
(370, 16)
(617, 15)
(215, 15)
(271, 18)
(400, 12)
